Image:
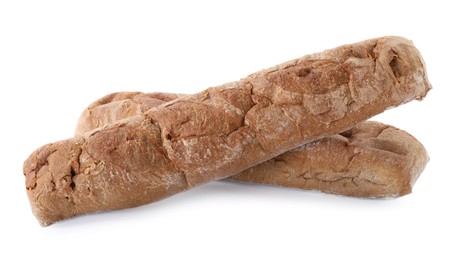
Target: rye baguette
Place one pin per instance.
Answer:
(371, 160)
(223, 130)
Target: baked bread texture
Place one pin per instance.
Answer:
(120, 105)
(371, 160)
(223, 130)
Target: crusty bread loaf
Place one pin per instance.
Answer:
(222, 131)
(370, 160)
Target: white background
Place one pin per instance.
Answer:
(58, 56)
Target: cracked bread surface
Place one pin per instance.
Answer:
(223, 130)
(371, 160)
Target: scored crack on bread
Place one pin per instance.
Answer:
(371, 160)
(223, 130)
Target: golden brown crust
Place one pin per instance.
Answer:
(370, 160)
(116, 106)
(223, 130)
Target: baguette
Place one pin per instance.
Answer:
(371, 160)
(223, 130)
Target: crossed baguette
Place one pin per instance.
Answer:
(371, 160)
(223, 130)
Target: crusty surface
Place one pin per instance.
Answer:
(223, 130)
(371, 160)
(116, 106)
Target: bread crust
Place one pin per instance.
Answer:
(371, 160)
(223, 130)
